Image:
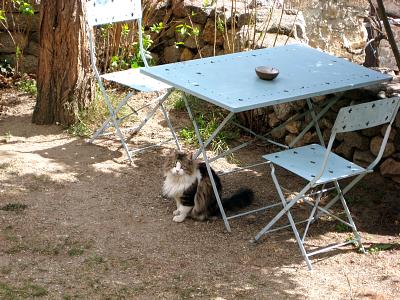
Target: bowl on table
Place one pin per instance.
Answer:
(267, 73)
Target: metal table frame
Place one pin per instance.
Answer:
(230, 82)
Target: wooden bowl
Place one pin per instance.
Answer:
(267, 73)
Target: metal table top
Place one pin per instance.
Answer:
(230, 81)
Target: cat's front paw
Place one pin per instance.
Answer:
(176, 212)
(179, 218)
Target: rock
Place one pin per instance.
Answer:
(325, 123)
(298, 105)
(372, 131)
(206, 51)
(22, 23)
(186, 55)
(28, 63)
(7, 45)
(278, 133)
(293, 127)
(392, 133)
(390, 167)
(396, 179)
(193, 41)
(192, 8)
(172, 54)
(376, 144)
(273, 120)
(209, 34)
(290, 138)
(393, 89)
(310, 137)
(391, 7)
(33, 49)
(356, 140)
(266, 3)
(344, 150)
(318, 99)
(363, 158)
(283, 111)
(386, 58)
(397, 120)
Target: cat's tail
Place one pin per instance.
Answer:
(242, 198)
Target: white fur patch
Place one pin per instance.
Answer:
(183, 212)
(177, 182)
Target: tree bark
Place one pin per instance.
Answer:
(64, 77)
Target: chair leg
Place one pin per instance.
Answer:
(345, 190)
(107, 123)
(311, 218)
(286, 209)
(349, 217)
(171, 128)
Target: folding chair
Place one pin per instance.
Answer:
(322, 170)
(100, 12)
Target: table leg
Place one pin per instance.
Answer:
(205, 157)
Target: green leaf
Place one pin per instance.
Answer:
(2, 15)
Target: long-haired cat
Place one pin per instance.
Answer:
(187, 181)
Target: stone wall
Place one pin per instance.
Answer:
(335, 26)
(23, 33)
(254, 27)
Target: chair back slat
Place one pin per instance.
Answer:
(365, 115)
(100, 12)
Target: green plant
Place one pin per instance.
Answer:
(340, 227)
(157, 27)
(208, 120)
(373, 249)
(28, 85)
(75, 251)
(96, 113)
(28, 291)
(24, 7)
(16, 207)
(95, 259)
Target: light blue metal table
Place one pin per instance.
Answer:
(229, 81)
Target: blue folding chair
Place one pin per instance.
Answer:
(100, 12)
(323, 169)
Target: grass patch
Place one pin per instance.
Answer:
(340, 227)
(208, 118)
(28, 291)
(28, 85)
(16, 207)
(95, 259)
(373, 249)
(97, 112)
(75, 251)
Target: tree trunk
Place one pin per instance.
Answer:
(64, 77)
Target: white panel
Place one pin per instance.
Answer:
(307, 161)
(110, 11)
(136, 80)
(366, 115)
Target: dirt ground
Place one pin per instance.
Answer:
(77, 222)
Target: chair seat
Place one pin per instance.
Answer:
(133, 78)
(306, 162)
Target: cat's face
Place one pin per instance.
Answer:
(179, 163)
